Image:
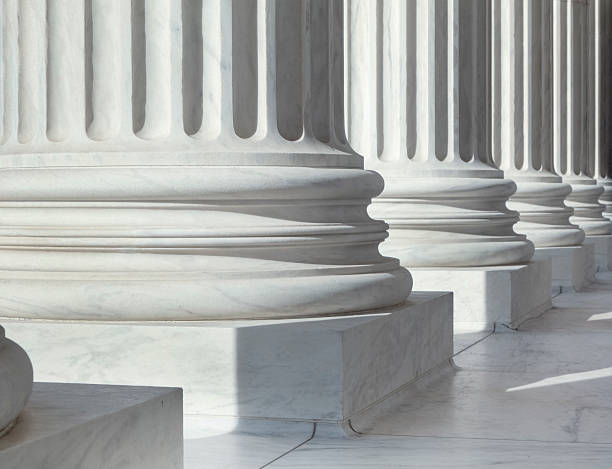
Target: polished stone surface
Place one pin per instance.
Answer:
(319, 368)
(487, 296)
(15, 382)
(572, 266)
(79, 426)
(603, 250)
(536, 398)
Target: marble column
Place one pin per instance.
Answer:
(602, 100)
(573, 155)
(159, 162)
(418, 107)
(15, 382)
(523, 121)
(418, 114)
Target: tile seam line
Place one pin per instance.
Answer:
(475, 343)
(269, 463)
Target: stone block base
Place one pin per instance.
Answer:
(572, 267)
(77, 426)
(602, 245)
(489, 296)
(323, 369)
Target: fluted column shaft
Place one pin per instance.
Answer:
(417, 109)
(523, 120)
(573, 151)
(176, 161)
(601, 96)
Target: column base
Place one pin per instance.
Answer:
(602, 244)
(318, 369)
(490, 296)
(70, 426)
(572, 266)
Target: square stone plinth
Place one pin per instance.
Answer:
(490, 296)
(323, 369)
(572, 267)
(602, 245)
(83, 426)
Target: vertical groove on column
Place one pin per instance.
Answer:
(573, 91)
(291, 25)
(194, 15)
(10, 67)
(545, 143)
(245, 78)
(452, 81)
(336, 73)
(32, 72)
(528, 84)
(560, 114)
(307, 73)
(65, 70)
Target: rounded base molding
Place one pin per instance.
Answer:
(451, 222)
(606, 198)
(16, 378)
(192, 243)
(584, 199)
(544, 217)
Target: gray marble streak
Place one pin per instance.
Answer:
(77, 426)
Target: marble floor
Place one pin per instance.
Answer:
(540, 397)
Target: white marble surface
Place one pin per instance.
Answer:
(225, 442)
(443, 198)
(537, 398)
(171, 198)
(572, 266)
(77, 426)
(418, 453)
(319, 368)
(15, 382)
(488, 296)
(603, 250)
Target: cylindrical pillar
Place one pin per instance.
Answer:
(523, 120)
(601, 107)
(574, 158)
(418, 110)
(180, 177)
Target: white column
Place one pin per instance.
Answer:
(15, 382)
(573, 160)
(523, 119)
(601, 96)
(419, 87)
(179, 177)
